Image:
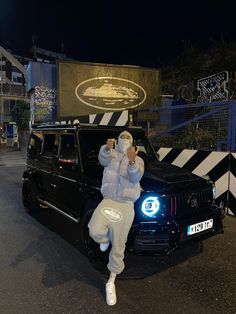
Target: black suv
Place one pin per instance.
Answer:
(63, 173)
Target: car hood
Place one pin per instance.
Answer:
(163, 177)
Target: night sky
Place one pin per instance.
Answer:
(123, 32)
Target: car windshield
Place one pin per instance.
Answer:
(91, 141)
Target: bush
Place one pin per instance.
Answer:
(21, 113)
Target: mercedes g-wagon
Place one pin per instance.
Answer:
(63, 173)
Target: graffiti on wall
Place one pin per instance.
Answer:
(44, 102)
(213, 88)
(217, 87)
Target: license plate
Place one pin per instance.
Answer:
(199, 227)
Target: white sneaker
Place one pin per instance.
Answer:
(104, 246)
(110, 293)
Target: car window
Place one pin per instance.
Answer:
(145, 149)
(68, 148)
(91, 142)
(50, 145)
(35, 145)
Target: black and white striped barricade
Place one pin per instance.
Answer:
(232, 185)
(219, 166)
(119, 118)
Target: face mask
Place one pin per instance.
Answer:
(123, 144)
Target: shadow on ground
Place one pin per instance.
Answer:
(137, 266)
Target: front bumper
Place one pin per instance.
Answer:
(163, 237)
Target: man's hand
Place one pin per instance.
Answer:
(131, 154)
(110, 143)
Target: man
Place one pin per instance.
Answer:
(112, 219)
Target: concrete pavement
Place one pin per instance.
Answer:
(42, 270)
(12, 157)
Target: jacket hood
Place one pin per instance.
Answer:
(126, 132)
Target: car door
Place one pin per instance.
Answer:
(67, 172)
(46, 161)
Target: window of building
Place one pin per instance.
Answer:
(16, 77)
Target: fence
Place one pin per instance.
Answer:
(205, 126)
(198, 137)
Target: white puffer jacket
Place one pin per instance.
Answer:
(120, 179)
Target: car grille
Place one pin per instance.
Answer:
(182, 205)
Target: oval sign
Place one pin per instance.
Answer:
(110, 93)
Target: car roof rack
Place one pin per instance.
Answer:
(53, 126)
(58, 126)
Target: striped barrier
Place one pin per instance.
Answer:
(119, 118)
(219, 166)
(232, 184)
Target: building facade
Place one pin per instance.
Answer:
(13, 80)
(12, 84)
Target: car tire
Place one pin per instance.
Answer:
(89, 247)
(30, 196)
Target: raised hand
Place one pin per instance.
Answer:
(110, 143)
(132, 153)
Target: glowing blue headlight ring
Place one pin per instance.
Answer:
(150, 206)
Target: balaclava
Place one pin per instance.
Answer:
(124, 143)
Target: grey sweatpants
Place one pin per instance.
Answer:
(111, 221)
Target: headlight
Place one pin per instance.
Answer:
(150, 206)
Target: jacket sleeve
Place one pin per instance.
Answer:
(136, 171)
(104, 156)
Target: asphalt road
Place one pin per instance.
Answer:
(43, 271)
